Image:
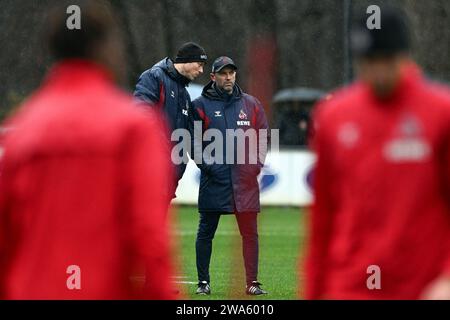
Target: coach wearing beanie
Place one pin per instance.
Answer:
(163, 87)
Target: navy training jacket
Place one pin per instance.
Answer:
(164, 88)
(229, 187)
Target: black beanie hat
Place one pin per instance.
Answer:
(191, 52)
(393, 37)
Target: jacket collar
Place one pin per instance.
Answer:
(410, 81)
(72, 72)
(168, 66)
(210, 91)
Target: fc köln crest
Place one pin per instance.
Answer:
(242, 115)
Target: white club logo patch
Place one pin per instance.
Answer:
(409, 144)
(349, 135)
(242, 115)
(243, 122)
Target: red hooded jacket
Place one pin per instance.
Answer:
(80, 200)
(382, 192)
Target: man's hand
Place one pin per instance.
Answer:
(438, 289)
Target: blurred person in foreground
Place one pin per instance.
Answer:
(80, 175)
(380, 225)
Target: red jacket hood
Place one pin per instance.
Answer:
(78, 71)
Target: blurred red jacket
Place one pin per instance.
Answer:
(81, 203)
(382, 192)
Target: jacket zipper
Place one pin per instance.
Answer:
(231, 176)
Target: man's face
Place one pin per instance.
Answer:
(225, 79)
(382, 73)
(193, 70)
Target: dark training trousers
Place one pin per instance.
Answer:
(248, 229)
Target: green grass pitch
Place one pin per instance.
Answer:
(281, 236)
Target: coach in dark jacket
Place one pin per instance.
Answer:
(164, 87)
(228, 183)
